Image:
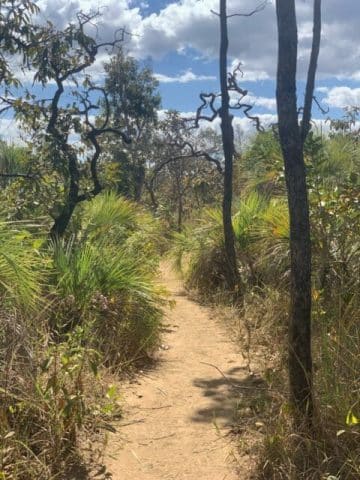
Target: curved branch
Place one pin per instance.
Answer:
(208, 100)
(258, 9)
(198, 154)
(233, 86)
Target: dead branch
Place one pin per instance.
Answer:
(258, 9)
(28, 176)
(233, 86)
(323, 110)
(208, 100)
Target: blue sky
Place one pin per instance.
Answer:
(180, 41)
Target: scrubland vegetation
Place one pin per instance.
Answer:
(69, 309)
(75, 307)
(97, 192)
(261, 228)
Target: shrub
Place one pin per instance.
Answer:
(68, 308)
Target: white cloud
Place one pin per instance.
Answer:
(189, 24)
(265, 102)
(340, 97)
(244, 74)
(255, 75)
(256, 101)
(9, 130)
(185, 77)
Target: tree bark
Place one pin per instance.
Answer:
(63, 219)
(292, 139)
(180, 213)
(139, 181)
(227, 132)
(61, 222)
(310, 84)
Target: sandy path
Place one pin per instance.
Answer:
(183, 408)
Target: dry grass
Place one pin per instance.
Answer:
(264, 420)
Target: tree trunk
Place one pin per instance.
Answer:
(62, 221)
(139, 181)
(180, 194)
(180, 213)
(300, 358)
(227, 132)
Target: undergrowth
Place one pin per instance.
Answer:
(70, 310)
(259, 321)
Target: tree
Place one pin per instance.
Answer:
(227, 132)
(184, 168)
(133, 102)
(228, 83)
(292, 137)
(62, 57)
(17, 35)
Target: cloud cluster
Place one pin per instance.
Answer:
(189, 23)
(340, 97)
(264, 102)
(186, 77)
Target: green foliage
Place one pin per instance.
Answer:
(48, 400)
(261, 229)
(133, 102)
(21, 272)
(132, 91)
(70, 308)
(261, 165)
(104, 280)
(16, 32)
(109, 220)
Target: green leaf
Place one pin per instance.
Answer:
(351, 419)
(94, 367)
(111, 392)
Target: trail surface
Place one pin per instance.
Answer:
(178, 415)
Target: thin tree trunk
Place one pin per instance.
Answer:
(139, 182)
(180, 213)
(227, 131)
(62, 221)
(310, 84)
(300, 358)
(180, 192)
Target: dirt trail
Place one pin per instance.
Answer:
(184, 408)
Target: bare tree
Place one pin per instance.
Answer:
(228, 83)
(174, 150)
(292, 137)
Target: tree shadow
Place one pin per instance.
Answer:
(230, 394)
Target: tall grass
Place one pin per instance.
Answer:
(68, 309)
(261, 227)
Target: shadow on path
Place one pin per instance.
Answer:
(228, 395)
